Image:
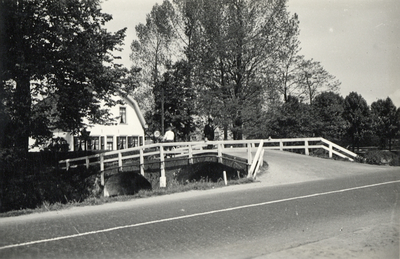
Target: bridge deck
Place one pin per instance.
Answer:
(237, 151)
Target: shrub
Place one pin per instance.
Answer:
(26, 185)
(382, 157)
(126, 183)
(35, 183)
(207, 170)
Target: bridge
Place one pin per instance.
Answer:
(247, 153)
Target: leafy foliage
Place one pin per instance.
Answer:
(314, 78)
(241, 56)
(172, 92)
(385, 122)
(27, 182)
(357, 114)
(150, 51)
(328, 108)
(294, 120)
(212, 171)
(381, 157)
(57, 65)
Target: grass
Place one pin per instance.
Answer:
(172, 187)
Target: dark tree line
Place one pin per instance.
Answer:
(347, 121)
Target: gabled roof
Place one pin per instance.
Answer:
(135, 106)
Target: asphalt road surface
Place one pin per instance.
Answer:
(248, 221)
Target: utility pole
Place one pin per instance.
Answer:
(162, 110)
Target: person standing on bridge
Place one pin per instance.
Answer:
(209, 132)
(169, 136)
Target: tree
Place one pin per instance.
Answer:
(294, 120)
(385, 123)
(283, 73)
(357, 115)
(240, 39)
(178, 102)
(151, 51)
(241, 55)
(314, 78)
(398, 121)
(59, 51)
(328, 113)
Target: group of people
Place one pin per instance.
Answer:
(169, 135)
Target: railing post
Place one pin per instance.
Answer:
(225, 178)
(102, 169)
(306, 147)
(119, 161)
(262, 157)
(249, 155)
(190, 154)
(87, 162)
(330, 150)
(141, 161)
(280, 145)
(67, 164)
(220, 153)
(163, 179)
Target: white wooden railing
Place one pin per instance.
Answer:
(258, 161)
(310, 143)
(189, 149)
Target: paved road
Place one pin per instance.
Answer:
(233, 222)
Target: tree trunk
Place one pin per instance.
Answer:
(225, 132)
(22, 102)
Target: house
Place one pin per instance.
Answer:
(127, 130)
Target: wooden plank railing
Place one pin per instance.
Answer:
(119, 158)
(310, 143)
(188, 150)
(258, 161)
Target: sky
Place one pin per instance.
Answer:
(358, 41)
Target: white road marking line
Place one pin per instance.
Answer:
(193, 215)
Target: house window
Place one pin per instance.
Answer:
(76, 144)
(110, 142)
(122, 114)
(121, 141)
(94, 143)
(79, 144)
(102, 142)
(132, 141)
